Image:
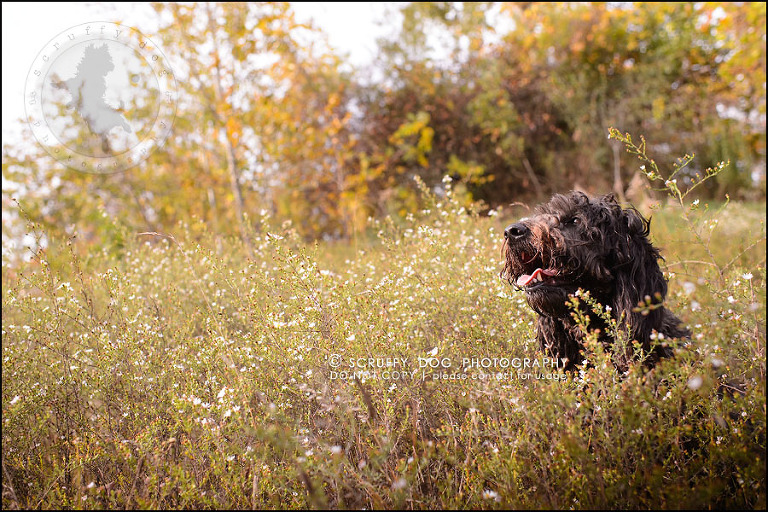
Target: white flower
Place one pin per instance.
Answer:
(401, 483)
(695, 382)
(747, 276)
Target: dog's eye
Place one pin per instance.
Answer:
(573, 221)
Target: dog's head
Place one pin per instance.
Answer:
(574, 242)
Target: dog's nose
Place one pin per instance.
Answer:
(516, 231)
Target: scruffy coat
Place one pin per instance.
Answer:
(576, 242)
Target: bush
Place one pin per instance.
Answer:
(169, 373)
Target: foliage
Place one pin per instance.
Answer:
(186, 374)
(171, 340)
(511, 100)
(530, 107)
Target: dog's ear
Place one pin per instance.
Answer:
(609, 198)
(637, 274)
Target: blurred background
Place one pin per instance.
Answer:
(324, 115)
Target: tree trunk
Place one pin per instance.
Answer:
(534, 179)
(234, 173)
(237, 194)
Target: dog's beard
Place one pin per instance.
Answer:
(550, 301)
(549, 289)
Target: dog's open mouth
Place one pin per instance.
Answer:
(540, 274)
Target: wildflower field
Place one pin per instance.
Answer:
(177, 370)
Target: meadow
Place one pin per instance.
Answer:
(175, 370)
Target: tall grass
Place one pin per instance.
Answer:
(176, 372)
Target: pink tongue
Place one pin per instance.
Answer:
(525, 279)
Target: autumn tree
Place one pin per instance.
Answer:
(267, 110)
(528, 110)
(261, 124)
(511, 100)
(652, 68)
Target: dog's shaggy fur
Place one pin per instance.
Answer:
(575, 242)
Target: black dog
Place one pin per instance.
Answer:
(575, 242)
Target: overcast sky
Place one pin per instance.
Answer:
(27, 27)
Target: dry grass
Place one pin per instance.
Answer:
(161, 375)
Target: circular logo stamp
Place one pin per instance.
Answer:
(100, 97)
